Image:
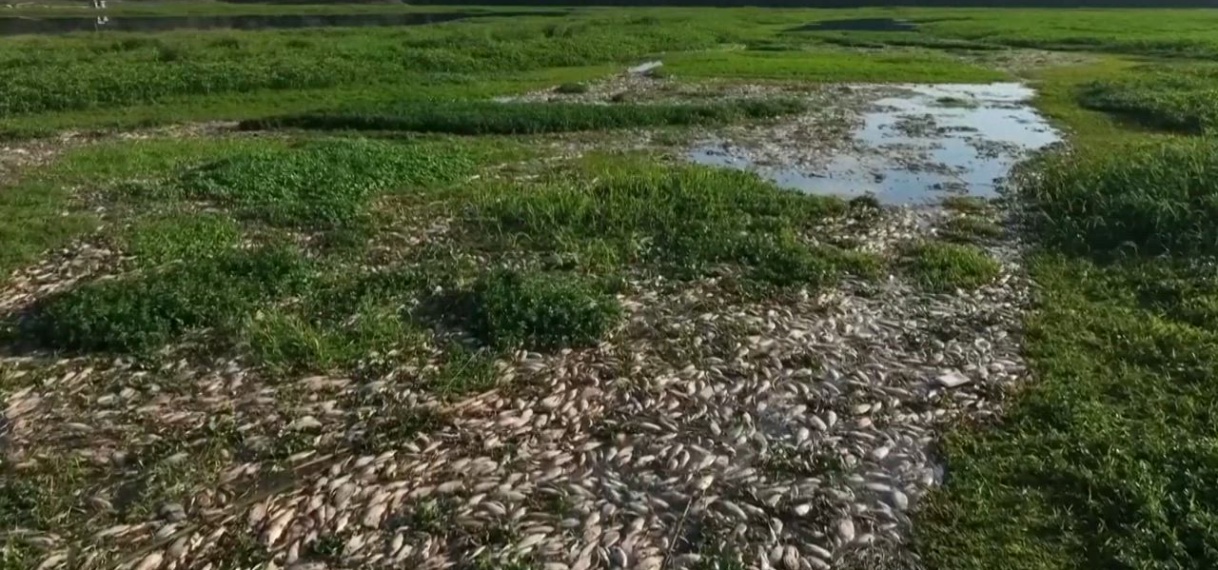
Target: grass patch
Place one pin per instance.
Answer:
(149, 310)
(572, 88)
(686, 222)
(1108, 459)
(970, 228)
(945, 267)
(181, 237)
(965, 204)
(546, 311)
(490, 118)
(324, 184)
(290, 342)
(1179, 98)
(1148, 198)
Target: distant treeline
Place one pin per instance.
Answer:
(843, 3)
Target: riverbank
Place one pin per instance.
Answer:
(457, 295)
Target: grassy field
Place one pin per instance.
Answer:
(349, 203)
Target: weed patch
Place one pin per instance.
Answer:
(510, 309)
(490, 118)
(686, 222)
(187, 238)
(150, 309)
(969, 228)
(945, 267)
(325, 184)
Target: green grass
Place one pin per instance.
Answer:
(965, 204)
(42, 207)
(181, 237)
(125, 80)
(540, 311)
(1179, 98)
(324, 184)
(685, 222)
(1107, 459)
(968, 228)
(148, 310)
(490, 118)
(1149, 198)
(288, 342)
(945, 267)
(826, 66)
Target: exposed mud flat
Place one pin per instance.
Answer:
(911, 144)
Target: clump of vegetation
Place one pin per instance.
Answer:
(940, 266)
(320, 184)
(965, 204)
(511, 309)
(572, 88)
(292, 342)
(186, 237)
(151, 309)
(686, 222)
(970, 228)
(491, 118)
(1180, 98)
(1148, 199)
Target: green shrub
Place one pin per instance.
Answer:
(541, 311)
(491, 118)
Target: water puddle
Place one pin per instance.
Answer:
(914, 146)
(51, 26)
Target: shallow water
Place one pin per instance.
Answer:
(50, 26)
(916, 147)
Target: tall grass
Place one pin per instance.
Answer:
(1149, 199)
(489, 118)
(1181, 98)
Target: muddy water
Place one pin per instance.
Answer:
(916, 146)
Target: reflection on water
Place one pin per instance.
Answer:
(955, 138)
(44, 26)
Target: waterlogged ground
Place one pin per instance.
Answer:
(751, 303)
